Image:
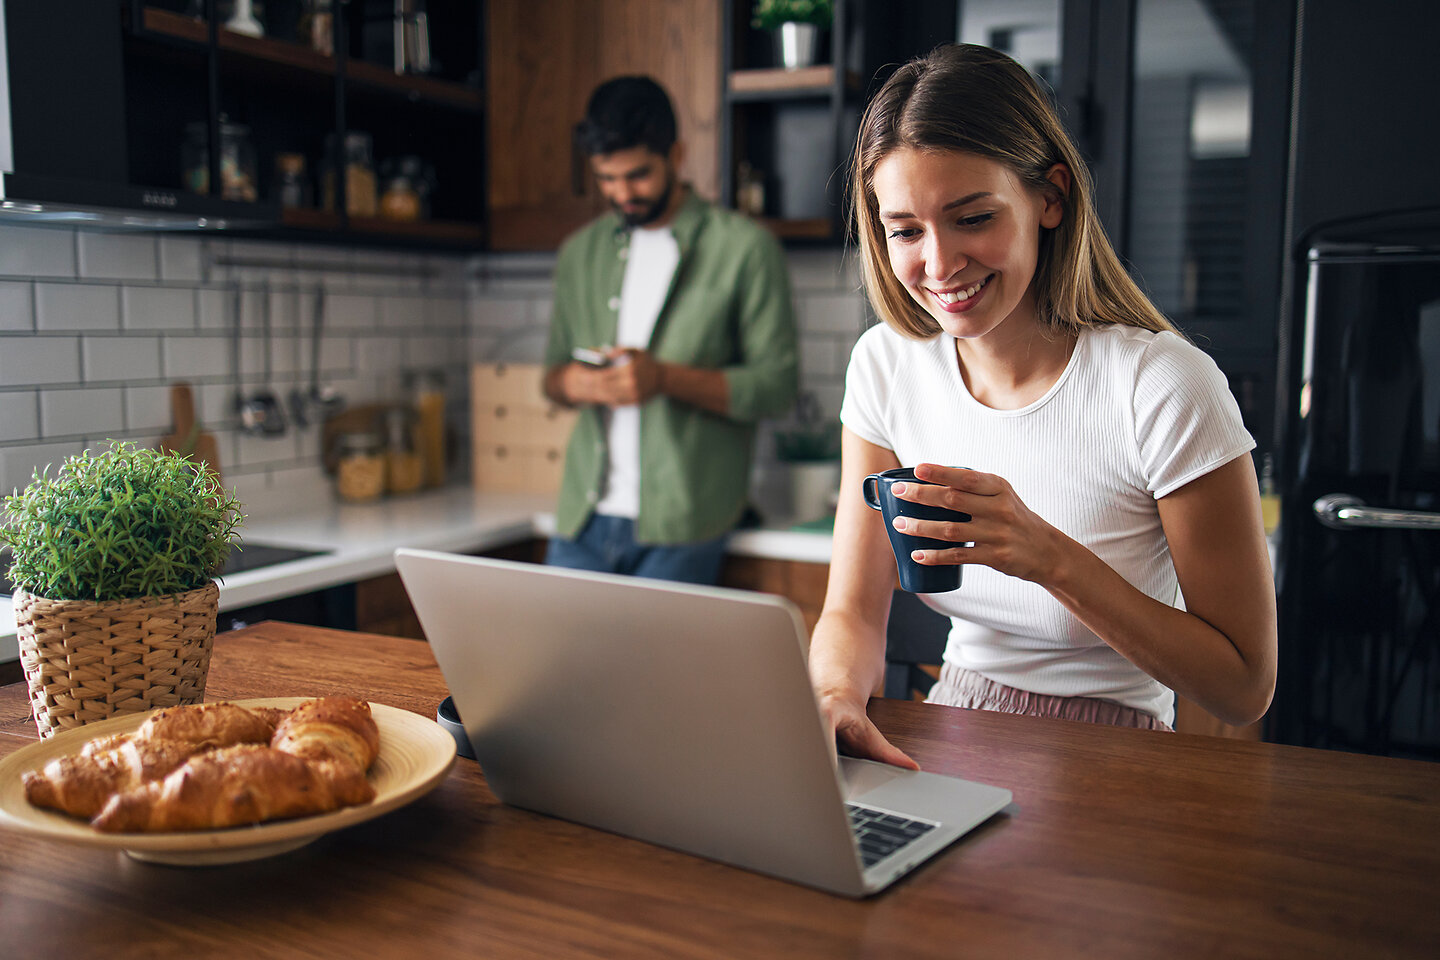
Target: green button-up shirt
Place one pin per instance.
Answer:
(728, 308)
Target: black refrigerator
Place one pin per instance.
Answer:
(1358, 423)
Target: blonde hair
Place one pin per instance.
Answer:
(977, 100)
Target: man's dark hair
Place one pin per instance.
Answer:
(627, 112)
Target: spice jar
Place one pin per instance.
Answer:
(237, 160)
(400, 196)
(359, 166)
(317, 25)
(360, 471)
(404, 470)
(292, 187)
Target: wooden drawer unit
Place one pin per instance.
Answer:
(519, 436)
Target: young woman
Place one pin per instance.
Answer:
(1116, 553)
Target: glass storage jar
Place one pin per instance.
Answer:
(292, 186)
(360, 469)
(358, 162)
(238, 179)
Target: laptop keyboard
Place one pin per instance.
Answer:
(880, 833)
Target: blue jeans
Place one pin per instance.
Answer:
(607, 544)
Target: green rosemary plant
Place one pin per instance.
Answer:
(124, 523)
(769, 14)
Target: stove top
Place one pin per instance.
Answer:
(247, 556)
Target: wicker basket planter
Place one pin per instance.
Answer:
(87, 660)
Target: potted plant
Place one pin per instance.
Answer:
(811, 452)
(114, 563)
(797, 24)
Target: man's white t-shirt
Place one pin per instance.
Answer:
(1134, 416)
(649, 267)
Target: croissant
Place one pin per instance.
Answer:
(80, 785)
(336, 729)
(209, 725)
(232, 786)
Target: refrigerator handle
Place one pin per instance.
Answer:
(1344, 512)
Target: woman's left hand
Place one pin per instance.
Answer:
(1004, 534)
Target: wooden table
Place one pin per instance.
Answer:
(1121, 843)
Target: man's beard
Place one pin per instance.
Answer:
(654, 211)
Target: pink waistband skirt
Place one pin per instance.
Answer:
(958, 687)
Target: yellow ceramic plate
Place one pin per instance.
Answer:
(415, 755)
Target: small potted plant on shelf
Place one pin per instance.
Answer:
(797, 25)
(811, 452)
(114, 563)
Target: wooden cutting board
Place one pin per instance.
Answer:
(188, 439)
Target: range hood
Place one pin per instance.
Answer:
(63, 130)
(41, 201)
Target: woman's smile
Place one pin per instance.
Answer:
(958, 300)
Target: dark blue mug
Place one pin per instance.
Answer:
(914, 577)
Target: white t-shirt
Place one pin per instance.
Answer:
(1134, 416)
(649, 267)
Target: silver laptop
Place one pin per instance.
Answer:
(675, 714)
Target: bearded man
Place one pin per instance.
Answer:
(673, 333)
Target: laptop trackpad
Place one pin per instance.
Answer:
(918, 794)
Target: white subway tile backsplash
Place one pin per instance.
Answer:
(214, 309)
(816, 271)
(836, 314)
(431, 351)
(19, 464)
(77, 306)
(195, 356)
(65, 413)
(246, 485)
(33, 360)
(37, 251)
(17, 305)
(256, 451)
(337, 353)
(121, 358)
(499, 312)
(19, 417)
(214, 405)
(822, 358)
(448, 313)
(375, 354)
(158, 308)
(403, 312)
(181, 258)
(148, 408)
(283, 359)
(346, 311)
(117, 256)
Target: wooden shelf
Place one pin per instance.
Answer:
(296, 57)
(771, 84)
(813, 228)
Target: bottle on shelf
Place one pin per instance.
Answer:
(429, 392)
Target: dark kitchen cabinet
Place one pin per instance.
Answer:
(544, 57)
(182, 74)
(788, 133)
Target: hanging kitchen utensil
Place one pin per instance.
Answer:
(248, 412)
(324, 401)
(260, 413)
(300, 406)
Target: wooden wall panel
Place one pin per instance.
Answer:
(544, 59)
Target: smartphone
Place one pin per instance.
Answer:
(593, 358)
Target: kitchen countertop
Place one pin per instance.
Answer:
(361, 539)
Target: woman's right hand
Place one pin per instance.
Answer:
(856, 736)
